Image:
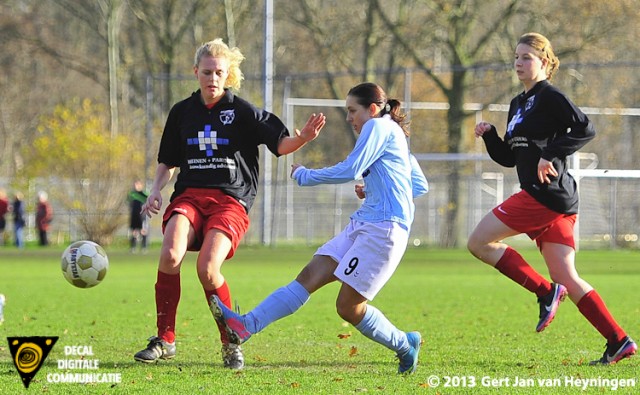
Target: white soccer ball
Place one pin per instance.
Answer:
(84, 264)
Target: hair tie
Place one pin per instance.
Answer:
(387, 107)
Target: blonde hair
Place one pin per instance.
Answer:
(217, 48)
(543, 49)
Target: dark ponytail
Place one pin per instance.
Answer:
(392, 108)
(368, 93)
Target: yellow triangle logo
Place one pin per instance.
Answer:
(29, 353)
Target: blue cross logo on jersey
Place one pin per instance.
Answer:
(207, 140)
(514, 121)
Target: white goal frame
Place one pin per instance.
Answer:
(579, 173)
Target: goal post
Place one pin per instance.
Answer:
(602, 207)
(609, 205)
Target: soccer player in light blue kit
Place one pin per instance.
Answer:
(366, 253)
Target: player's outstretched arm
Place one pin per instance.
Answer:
(309, 132)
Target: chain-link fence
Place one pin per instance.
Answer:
(609, 212)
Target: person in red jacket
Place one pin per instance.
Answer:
(544, 128)
(44, 216)
(4, 209)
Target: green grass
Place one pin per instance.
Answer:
(476, 324)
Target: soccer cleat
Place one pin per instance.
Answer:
(549, 305)
(409, 360)
(232, 356)
(224, 336)
(617, 351)
(156, 349)
(230, 320)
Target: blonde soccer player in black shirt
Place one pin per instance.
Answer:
(213, 137)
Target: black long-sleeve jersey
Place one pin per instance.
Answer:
(543, 123)
(218, 148)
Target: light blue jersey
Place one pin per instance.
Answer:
(391, 174)
(370, 248)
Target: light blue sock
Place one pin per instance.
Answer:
(282, 302)
(378, 328)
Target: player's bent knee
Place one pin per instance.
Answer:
(208, 276)
(169, 261)
(475, 247)
(347, 313)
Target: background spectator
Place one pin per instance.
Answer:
(138, 224)
(4, 208)
(19, 221)
(44, 216)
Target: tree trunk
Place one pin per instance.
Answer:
(455, 118)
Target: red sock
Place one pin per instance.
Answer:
(225, 297)
(223, 293)
(595, 311)
(167, 298)
(516, 268)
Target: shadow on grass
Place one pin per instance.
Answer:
(179, 365)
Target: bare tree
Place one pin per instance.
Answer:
(30, 80)
(113, 10)
(470, 35)
(361, 49)
(462, 51)
(101, 20)
(166, 23)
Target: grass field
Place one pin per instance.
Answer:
(478, 327)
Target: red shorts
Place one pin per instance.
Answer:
(521, 212)
(210, 209)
